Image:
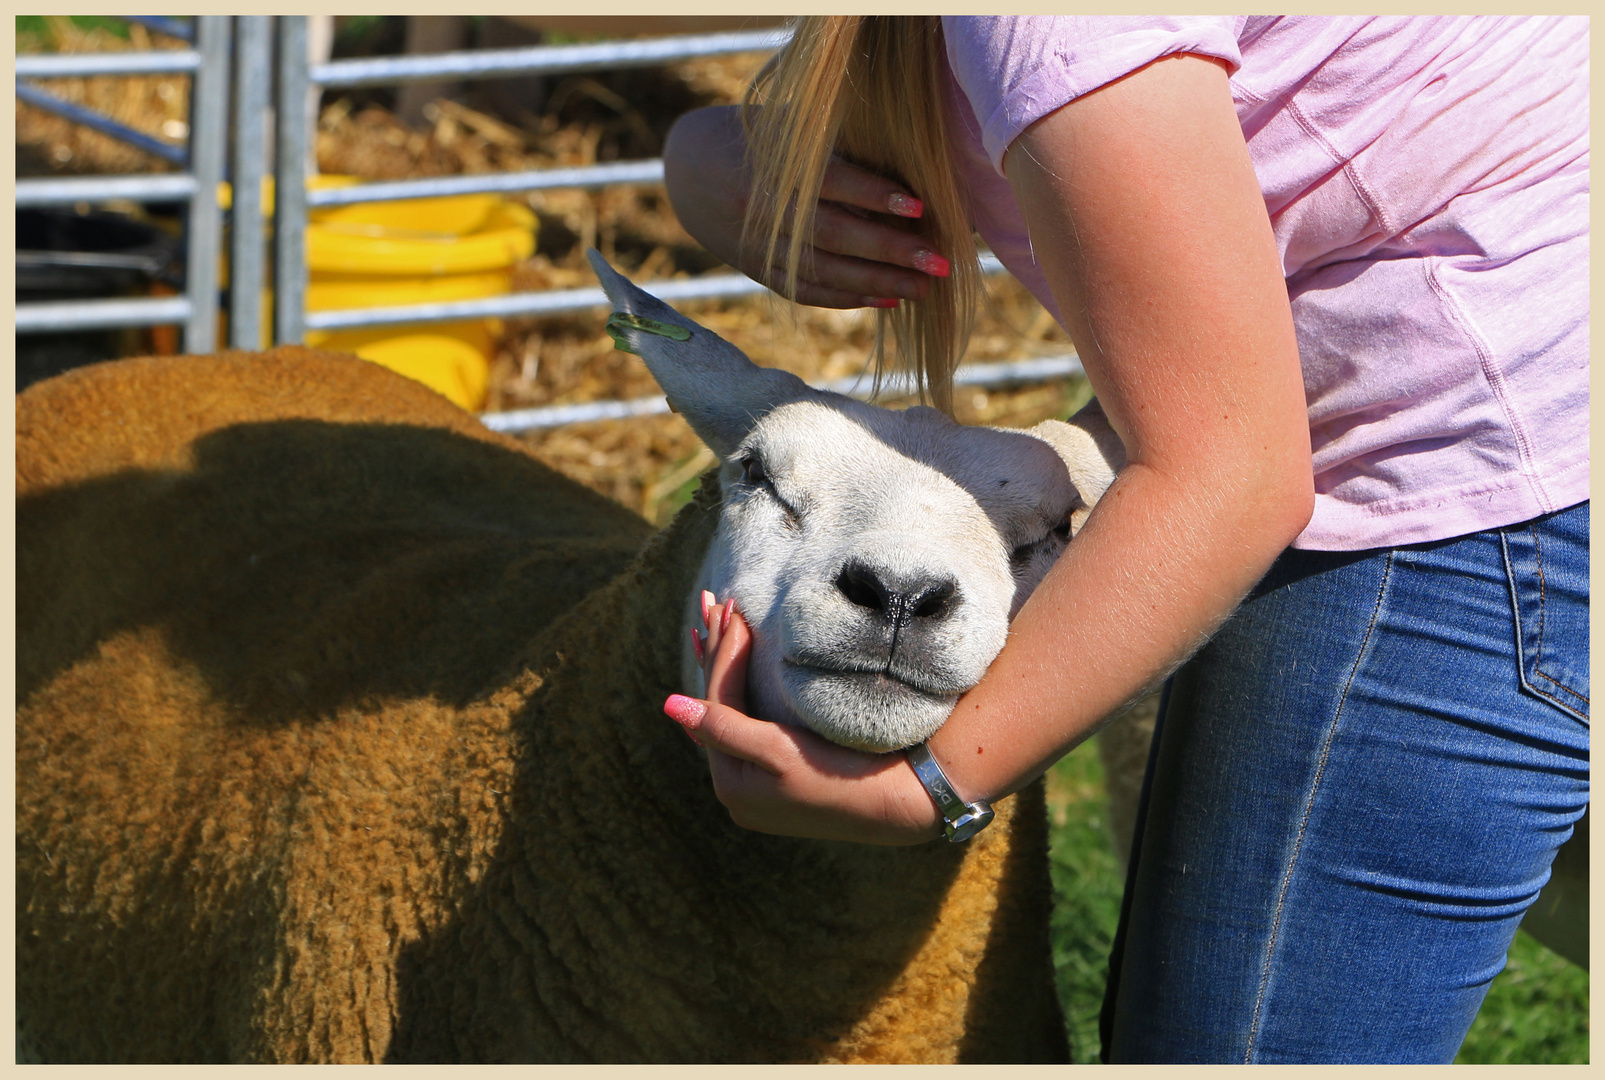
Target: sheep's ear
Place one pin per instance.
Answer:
(1093, 454)
(708, 380)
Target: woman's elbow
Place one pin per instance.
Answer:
(1288, 500)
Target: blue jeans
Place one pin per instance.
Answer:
(1356, 790)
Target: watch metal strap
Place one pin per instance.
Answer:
(961, 820)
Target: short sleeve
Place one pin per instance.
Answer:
(1015, 69)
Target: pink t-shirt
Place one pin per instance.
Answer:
(1427, 182)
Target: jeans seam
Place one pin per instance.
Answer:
(1538, 557)
(1553, 697)
(1309, 808)
(1538, 562)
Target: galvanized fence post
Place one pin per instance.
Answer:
(208, 137)
(290, 184)
(252, 72)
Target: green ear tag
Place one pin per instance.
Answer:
(620, 320)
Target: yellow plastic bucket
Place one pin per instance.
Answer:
(413, 243)
(415, 251)
(335, 292)
(449, 358)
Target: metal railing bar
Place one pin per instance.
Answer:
(208, 128)
(516, 420)
(89, 118)
(52, 192)
(247, 238)
(531, 304)
(107, 260)
(295, 124)
(161, 24)
(42, 318)
(1036, 369)
(588, 176)
(83, 65)
(1004, 373)
(553, 302)
(543, 59)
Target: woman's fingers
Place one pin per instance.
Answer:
(710, 630)
(731, 732)
(816, 295)
(783, 779)
(859, 256)
(715, 622)
(847, 183)
(854, 261)
(861, 252)
(734, 735)
(830, 280)
(843, 232)
(727, 660)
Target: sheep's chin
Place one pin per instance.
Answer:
(862, 711)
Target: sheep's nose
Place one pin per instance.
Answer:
(925, 597)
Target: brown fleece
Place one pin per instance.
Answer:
(339, 739)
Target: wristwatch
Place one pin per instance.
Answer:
(961, 820)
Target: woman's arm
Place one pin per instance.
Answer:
(1147, 218)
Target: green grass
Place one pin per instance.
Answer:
(1536, 1011)
(1086, 886)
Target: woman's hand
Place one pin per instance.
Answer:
(859, 257)
(777, 778)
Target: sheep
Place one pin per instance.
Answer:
(339, 738)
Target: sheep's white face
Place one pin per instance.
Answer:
(878, 557)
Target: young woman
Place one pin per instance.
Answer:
(1328, 278)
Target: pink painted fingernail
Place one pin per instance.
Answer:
(724, 621)
(905, 205)
(684, 710)
(696, 644)
(879, 302)
(708, 600)
(929, 262)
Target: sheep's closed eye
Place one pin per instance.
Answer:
(1022, 555)
(753, 473)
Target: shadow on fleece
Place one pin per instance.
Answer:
(302, 566)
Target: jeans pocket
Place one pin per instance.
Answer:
(1546, 560)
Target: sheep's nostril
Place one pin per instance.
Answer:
(861, 587)
(933, 601)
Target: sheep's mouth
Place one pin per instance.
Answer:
(865, 708)
(870, 679)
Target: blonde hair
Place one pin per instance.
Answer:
(868, 88)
